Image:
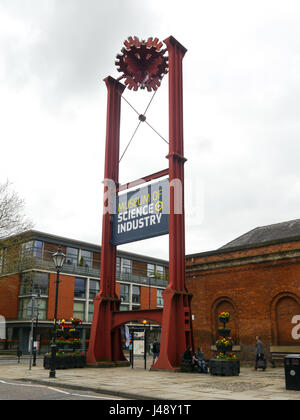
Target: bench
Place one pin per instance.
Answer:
(5, 352)
(279, 352)
(186, 365)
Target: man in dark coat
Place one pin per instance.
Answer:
(259, 352)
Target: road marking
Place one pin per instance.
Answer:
(59, 390)
(93, 396)
(15, 383)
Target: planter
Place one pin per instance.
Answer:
(65, 362)
(223, 367)
(223, 349)
(224, 332)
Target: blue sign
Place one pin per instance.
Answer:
(141, 214)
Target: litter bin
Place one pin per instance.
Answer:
(292, 371)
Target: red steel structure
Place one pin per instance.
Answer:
(175, 317)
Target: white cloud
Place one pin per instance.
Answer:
(241, 124)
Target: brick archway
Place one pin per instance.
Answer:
(225, 303)
(283, 307)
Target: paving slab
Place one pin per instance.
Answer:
(142, 384)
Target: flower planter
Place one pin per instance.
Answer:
(225, 364)
(223, 349)
(224, 332)
(67, 361)
(223, 367)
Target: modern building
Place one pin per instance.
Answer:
(28, 277)
(256, 278)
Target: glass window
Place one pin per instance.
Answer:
(126, 265)
(160, 270)
(34, 282)
(79, 310)
(38, 249)
(118, 264)
(27, 247)
(42, 309)
(150, 269)
(79, 290)
(2, 259)
(94, 288)
(124, 292)
(40, 282)
(91, 311)
(136, 294)
(86, 258)
(159, 297)
(124, 307)
(27, 312)
(26, 284)
(71, 255)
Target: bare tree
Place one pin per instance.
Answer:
(12, 217)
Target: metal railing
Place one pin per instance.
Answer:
(28, 260)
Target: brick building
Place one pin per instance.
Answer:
(27, 268)
(256, 278)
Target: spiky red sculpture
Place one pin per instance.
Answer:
(142, 63)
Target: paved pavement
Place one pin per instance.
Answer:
(143, 384)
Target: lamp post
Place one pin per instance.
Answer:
(58, 258)
(145, 322)
(34, 340)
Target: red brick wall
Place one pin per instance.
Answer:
(9, 291)
(261, 298)
(65, 296)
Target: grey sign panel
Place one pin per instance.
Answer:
(142, 214)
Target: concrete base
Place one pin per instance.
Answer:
(105, 364)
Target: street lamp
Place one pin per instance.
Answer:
(58, 258)
(34, 340)
(145, 322)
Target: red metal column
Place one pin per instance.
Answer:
(105, 344)
(176, 321)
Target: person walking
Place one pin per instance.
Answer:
(259, 354)
(155, 350)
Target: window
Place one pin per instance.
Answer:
(27, 312)
(150, 270)
(26, 284)
(136, 294)
(86, 258)
(94, 288)
(79, 310)
(124, 307)
(42, 309)
(159, 297)
(118, 264)
(25, 308)
(40, 282)
(157, 271)
(79, 290)
(126, 265)
(27, 248)
(2, 259)
(160, 271)
(91, 311)
(71, 255)
(124, 292)
(34, 282)
(38, 249)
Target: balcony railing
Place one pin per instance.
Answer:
(29, 260)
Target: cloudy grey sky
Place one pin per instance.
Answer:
(241, 112)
